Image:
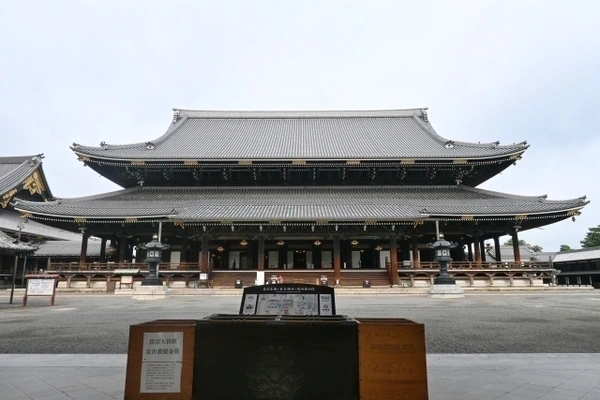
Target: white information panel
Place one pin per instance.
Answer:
(161, 377)
(250, 304)
(40, 287)
(163, 346)
(287, 304)
(161, 362)
(326, 304)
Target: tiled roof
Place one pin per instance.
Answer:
(9, 222)
(14, 170)
(592, 253)
(68, 248)
(309, 135)
(9, 245)
(526, 253)
(297, 203)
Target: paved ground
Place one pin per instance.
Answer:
(478, 323)
(450, 377)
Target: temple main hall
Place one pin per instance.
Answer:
(350, 196)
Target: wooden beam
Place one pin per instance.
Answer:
(393, 271)
(337, 259)
(84, 244)
(204, 258)
(516, 249)
(261, 253)
(497, 248)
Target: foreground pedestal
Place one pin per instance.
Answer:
(150, 293)
(446, 291)
(243, 357)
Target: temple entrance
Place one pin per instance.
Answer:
(299, 259)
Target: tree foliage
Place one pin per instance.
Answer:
(536, 248)
(564, 247)
(592, 238)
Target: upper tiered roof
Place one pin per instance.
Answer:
(379, 135)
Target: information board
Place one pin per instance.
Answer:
(288, 299)
(40, 287)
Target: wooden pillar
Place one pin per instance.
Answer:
(261, 253)
(184, 250)
(470, 251)
(103, 250)
(461, 249)
(415, 251)
(516, 249)
(393, 271)
(497, 248)
(337, 260)
(482, 249)
(122, 248)
(84, 244)
(204, 259)
(477, 247)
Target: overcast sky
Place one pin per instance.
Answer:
(92, 71)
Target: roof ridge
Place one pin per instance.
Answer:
(398, 112)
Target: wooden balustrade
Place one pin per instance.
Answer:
(113, 266)
(422, 265)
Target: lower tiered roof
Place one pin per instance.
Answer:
(304, 204)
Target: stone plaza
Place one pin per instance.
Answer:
(484, 346)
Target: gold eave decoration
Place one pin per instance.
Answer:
(178, 223)
(467, 217)
(419, 221)
(459, 161)
(298, 162)
(80, 219)
(7, 197)
(352, 162)
(226, 222)
(574, 212)
(26, 215)
(370, 221)
(520, 217)
(321, 222)
(190, 162)
(83, 158)
(275, 222)
(407, 161)
(516, 156)
(131, 219)
(34, 184)
(245, 162)
(138, 162)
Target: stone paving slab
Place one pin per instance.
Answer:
(451, 376)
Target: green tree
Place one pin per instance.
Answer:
(536, 248)
(592, 238)
(521, 243)
(564, 247)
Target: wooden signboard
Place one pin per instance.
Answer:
(392, 359)
(40, 285)
(160, 360)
